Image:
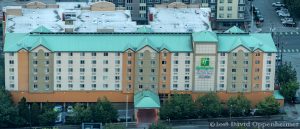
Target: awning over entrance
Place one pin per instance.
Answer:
(146, 99)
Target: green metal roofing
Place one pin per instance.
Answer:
(254, 41)
(146, 99)
(41, 29)
(234, 29)
(98, 42)
(277, 95)
(205, 36)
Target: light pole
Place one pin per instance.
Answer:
(29, 115)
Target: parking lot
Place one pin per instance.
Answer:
(271, 19)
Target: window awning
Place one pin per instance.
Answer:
(146, 99)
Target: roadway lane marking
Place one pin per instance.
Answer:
(284, 50)
(297, 50)
(297, 33)
(286, 33)
(292, 50)
(288, 50)
(279, 51)
(280, 33)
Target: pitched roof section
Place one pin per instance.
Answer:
(234, 29)
(99, 42)
(146, 99)
(144, 29)
(41, 29)
(205, 36)
(277, 95)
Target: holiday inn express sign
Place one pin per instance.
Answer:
(203, 70)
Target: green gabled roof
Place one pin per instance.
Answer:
(144, 29)
(277, 95)
(41, 29)
(262, 41)
(205, 36)
(146, 99)
(146, 42)
(98, 42)
(234, 29)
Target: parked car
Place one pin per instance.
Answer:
(284, 14)
(58, 108)
(280, 8)
(59, 118)
(289, 24)
(287, 19)
(70, 109)
(278, 4)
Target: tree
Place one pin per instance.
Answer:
(269, 106)
(103, 111)
(47, 118)
(238, 106)
(9, 116)
(24, 110)
(209, 105)
(293, 6)
(35, 111)
(180, 106)
(81, 114)
(286, 73)
(114, 126)
(289, 90)
(159, 125)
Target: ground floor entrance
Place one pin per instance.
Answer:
(147, 116)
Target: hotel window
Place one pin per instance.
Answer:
(245, 86)
(187, 62)
(117, 70)
(129, 54)
(58, 78)
(186, 78)
(105, 70)
(234, 62)
(46, 54)
(221, 8)
(176, 54)
(268, 62)
(82, 54)
(82, 78)
(117, 86)
(70, 78)
(229, 1)
(165, 54)
(47, 62)
(164, 70)
(152, 86)
(129, 62)
(229, 15)
(81, 85)
(70, 70)
(257, 61)
(11, 69)
(140, 86)
(129, 78)
(269, 54)
(105, 61)
(175, 70)
(82, 61)
(11, 54)
(105, 54)
(12, 62)
(152, 62)
(267, 77)
(140, 62)
(221, 85)
(256, 78)
(47, 70)
(35, 54)
(221, 77)
(129, 86)
(246, 54)
(186, 86)
(117, 61)
(257, 70)
(117, 78)
(256, 85)
(221, 1)
(94, 54)
(70, 54)
(267, 85)
(222, 54)
(234, 54)
(105, 77)
(70, 62)
(47, 86)
(129, 70)
(117, 54)
(58, 62)
(234, 78)
(257, 54)
(82, 70)
(222, 70)
(94, 69)
(187, 54)
(152, 70)
(94, 62)
(221, 15)
(47, 78)
(153, 78)
(229, 8)
(58, 70)
(141, 55)
(140, 70)
(175, 61)
(268, 69)
(245, 62)
(11, 78)
(245, 70)
(175, 78)
(35, 86)
(58, 85)
(164, 78)
(175, 85)
(245, 78)
(233, 70)
(94, 78)
(105, 85)
(163, 62)
(233, 85)
(94, 86)
(141, 78)
(187, 70)
(70, 85)
(223, 62)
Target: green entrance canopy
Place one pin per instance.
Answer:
(146, 99)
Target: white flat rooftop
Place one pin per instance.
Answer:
(180, 19)
(85, 20)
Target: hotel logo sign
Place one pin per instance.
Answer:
(204, 70)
